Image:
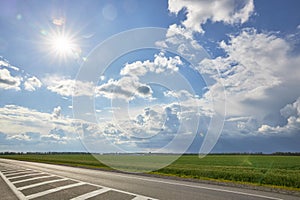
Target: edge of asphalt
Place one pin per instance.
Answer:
(6, 192)
(265, 188)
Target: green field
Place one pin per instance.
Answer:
(275, 171)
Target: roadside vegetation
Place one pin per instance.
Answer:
(281, 171)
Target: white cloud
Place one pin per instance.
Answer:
(124, 88)
(255, 63)
(5, 63)
(160, 64)
(11, 77)
(129, 85)
(153, 128)
(32, 83)
(15, 118)
(148, 123)
(7, 81)
(20, 124)
(199, 12)
(175, 29)
(291, 112)
(179, 39)
(260, 77)
(157, 124)
(56, 112)
(68, 87)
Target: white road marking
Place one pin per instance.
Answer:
(31, 179)
(140, 198)
(198, 186)
(16, 173)
(42, 183)
(11, 170)
(53, 190)
(36, 173)
(91, 194)
(19, 194)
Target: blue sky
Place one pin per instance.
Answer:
(220, 76)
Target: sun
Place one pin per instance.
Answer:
(62, 45)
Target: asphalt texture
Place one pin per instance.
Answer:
(29, 180)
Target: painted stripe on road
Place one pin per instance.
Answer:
(17, 172)
(91, 194)
(36, 173)
(19, 194)
(53, 190)
(140, 198)
(42, 183)
(7, 171)
(31, 179)
(190, 185)
(199, 187)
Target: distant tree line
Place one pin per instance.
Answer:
(237, 153)
(259, 153)
(287, 153)
(40, 153)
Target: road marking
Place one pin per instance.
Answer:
(91, 194)
(11, 170)
(17, 172)
(53, 190)
(198, 186)
(31, 179)
(140, 198)
(36, 173)
(193, 186)
(42, 183)
(21, 196)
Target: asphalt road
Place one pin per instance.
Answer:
(30, 180)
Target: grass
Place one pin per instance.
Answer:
(281, 171)
(277, 171)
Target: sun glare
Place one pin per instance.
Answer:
(62, 45)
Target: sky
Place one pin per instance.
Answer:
(150, 76)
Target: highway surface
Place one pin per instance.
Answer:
(28, 180)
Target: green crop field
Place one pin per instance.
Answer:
(275, 171)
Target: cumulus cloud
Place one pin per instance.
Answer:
(291, 109)
(21, 125)
(129, 85)
(260, 77)
(7, 81)
(11, 78)
(56, 112)
(160, 64)
(15, 118)
(151, 129)
(32, 83)
(291, 112)
(5, 63)
(124, 88)
(199, 12)
(255, 64)
(67, 87)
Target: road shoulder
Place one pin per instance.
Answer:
(6, 192)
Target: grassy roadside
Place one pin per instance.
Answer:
(272, 171)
